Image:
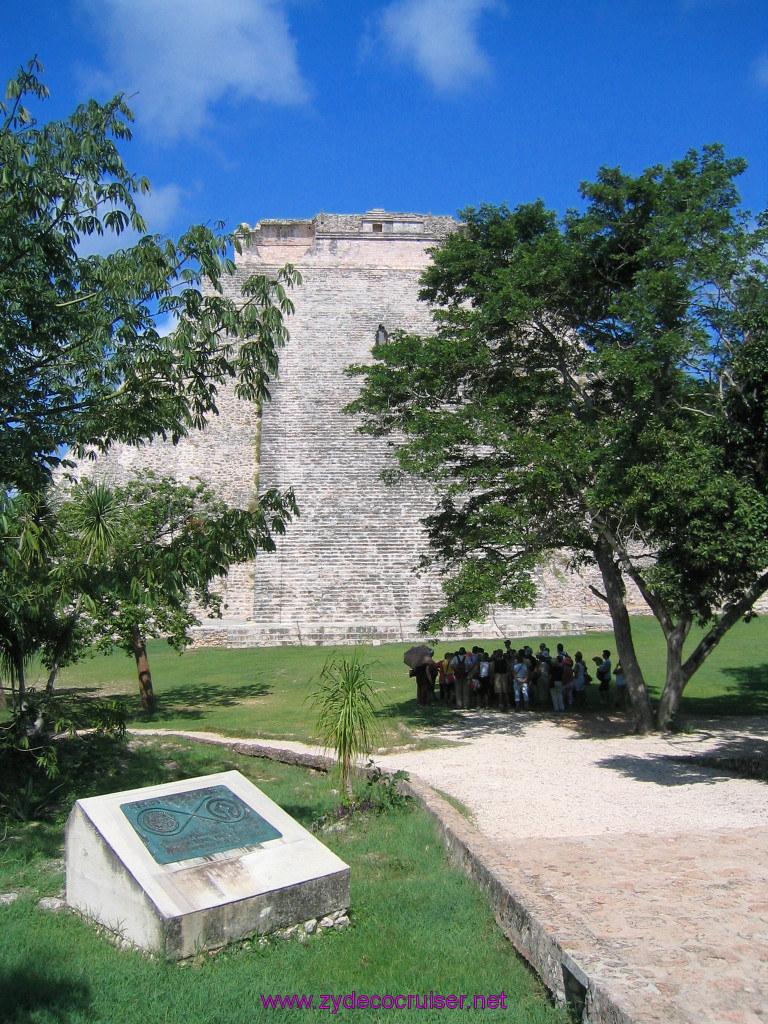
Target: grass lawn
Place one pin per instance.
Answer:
(262, 691)
(417, 925)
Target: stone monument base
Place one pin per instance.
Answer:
(192, 865)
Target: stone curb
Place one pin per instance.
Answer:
(576, 966)
(317, 761)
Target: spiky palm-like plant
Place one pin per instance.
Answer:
(346, 704)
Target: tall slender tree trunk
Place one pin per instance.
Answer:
(64, 640)
(142, 666)
(346, 773)
(53, 673)
(622, 630)
(20, 680)
(677, 677)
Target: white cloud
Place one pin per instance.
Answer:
(175, 59)
(439, 36)
(158, 208)
(761, 70)
(167, 324)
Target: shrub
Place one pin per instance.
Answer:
(346, 704)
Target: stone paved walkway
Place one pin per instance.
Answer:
(674, 927)
(668, 916)
(649, 866)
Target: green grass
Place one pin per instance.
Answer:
(417, 925)
(263, 691)
(732, 681)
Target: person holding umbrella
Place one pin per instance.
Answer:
(424, 669)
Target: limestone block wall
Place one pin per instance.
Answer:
(224, 456)
(346, 569)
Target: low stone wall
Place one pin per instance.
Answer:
(225, 633)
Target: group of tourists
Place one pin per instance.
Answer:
(509, 677)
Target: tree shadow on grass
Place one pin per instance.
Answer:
(78, 691)
(414, 717)
(747, 694)
(305, 813)
(42, 840)
(191, 702)
(29, 996)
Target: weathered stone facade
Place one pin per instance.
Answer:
(346, 570)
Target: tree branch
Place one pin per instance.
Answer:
(723, 623)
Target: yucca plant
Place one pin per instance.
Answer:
(347, 705)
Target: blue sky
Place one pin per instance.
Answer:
(280, 108)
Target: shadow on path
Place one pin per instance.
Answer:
(445, 722)
(664, 770)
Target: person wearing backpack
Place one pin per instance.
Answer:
(604, 676)
(520, 680)
(461, 681)
(500, 679)
(425, 674)
(473, 676)
(446, 678)
(567, 681)
(484, 688)
(556, 683)
(579, 680)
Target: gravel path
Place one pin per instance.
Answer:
(651, 869)
(524, 775)
(527, 776)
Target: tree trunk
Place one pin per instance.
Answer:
(677, 677)
(20, 680)
(145, 676)
(622, 631)
(346, 772)
(53, 673)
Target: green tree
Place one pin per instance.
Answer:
(28, 596)
(139, 556)
(346, 706)
(84, 364)
(596, 383)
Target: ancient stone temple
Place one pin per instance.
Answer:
(346, 570)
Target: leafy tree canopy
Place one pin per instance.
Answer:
(142, 557)
(102, 567)
(84, 363)
(596, 382)
(85, 366)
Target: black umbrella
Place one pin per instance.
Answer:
(417, 655)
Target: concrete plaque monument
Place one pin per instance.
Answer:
(192, 865)
(196, 823)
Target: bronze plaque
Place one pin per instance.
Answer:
(198, 823)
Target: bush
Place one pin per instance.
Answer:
(347, 706)
(29, 751)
